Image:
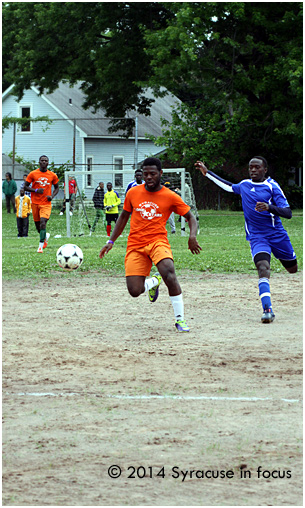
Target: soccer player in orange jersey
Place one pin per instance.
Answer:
(150, 206)
(41, 194)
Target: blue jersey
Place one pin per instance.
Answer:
(269, 191)
(132, 184)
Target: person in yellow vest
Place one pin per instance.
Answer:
(23, 210)
(111, 202)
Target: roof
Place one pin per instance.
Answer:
(68, 101)
(7, 167)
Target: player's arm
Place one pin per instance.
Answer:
(118, 230)
(118, 200)
(30, 189)
(55, 192)
(223, 184)
(284, 212)
(193, 244)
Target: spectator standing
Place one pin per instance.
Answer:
(9, 188)
(72, 196)
(98, 201)
(26, 193)
(138, 180)
(111, 202)
(23, 210)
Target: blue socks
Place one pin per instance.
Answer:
(264, 292)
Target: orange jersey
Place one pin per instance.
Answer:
(150, 212)
(42, 180)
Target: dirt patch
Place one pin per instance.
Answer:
(94, 378)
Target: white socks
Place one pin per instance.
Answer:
(150, 283)
(177, 303)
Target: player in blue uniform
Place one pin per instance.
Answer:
(263, 204)
(137, 181)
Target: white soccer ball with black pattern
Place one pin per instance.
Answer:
(69, 256)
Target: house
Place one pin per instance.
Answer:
(81, 136)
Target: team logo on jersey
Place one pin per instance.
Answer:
(148, 210)
(43, 182)
(252, 190)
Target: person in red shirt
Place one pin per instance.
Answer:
(41, 192)
(72, 196)
(150, 206)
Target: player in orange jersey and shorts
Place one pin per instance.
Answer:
(150, 206)
(41, 194)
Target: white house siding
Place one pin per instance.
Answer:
(103, 151)
(56, 142)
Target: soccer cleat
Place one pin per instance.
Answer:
(153, 293)
(40, 249)
(182, 326)
(46, 240)
(268, 316)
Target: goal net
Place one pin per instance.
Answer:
(84, 213)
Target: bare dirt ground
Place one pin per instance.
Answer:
(93, 378)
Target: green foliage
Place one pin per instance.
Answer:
(7, 121)
(241, 88)
(222, 238)
(30, 165)
(236, 67)
(98, 43)
(294, 195)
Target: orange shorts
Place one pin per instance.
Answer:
(139, 261)
(41, 211)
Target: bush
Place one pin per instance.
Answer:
(294, 195)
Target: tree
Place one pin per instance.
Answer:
(236, 66)
(98, 43)
(238, 69)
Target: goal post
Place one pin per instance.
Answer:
(84, 212)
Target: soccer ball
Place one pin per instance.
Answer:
(69, 256)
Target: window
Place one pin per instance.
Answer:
(25, 112)
(89, 168)
(118, 163)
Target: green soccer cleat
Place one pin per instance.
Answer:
(153, 293)
(182, 326)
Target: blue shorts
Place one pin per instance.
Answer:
(278, 244)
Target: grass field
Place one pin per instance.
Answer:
(222, 238)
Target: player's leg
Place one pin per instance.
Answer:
(262, 263)
(108, 220)
(135, 285)
(167, 271)
(283, 251)
(261, 254)
(45, 213)
(137, 268)
(290, 265)
(96, 219)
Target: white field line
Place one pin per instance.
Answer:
(162, 397)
